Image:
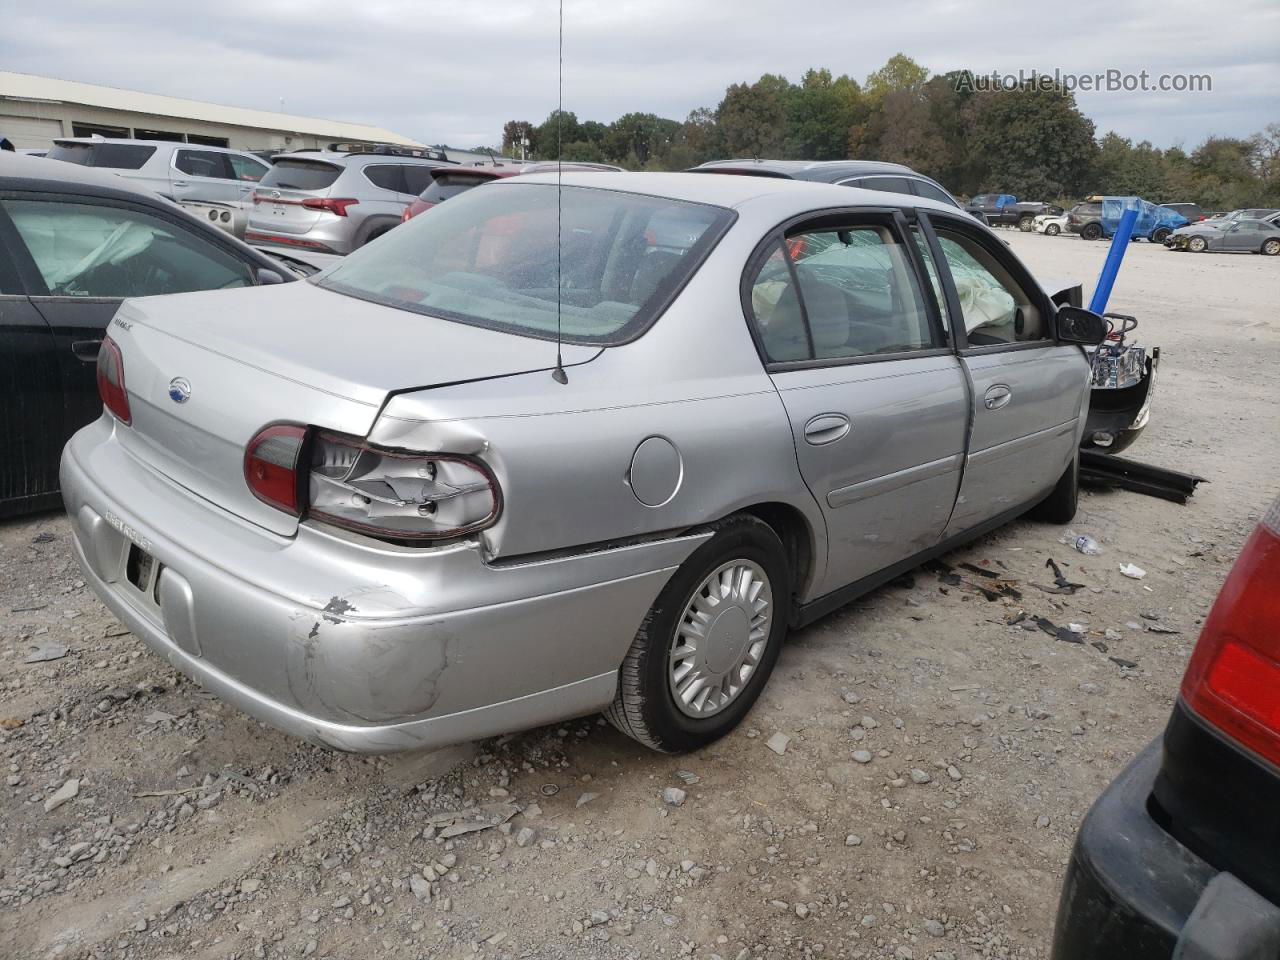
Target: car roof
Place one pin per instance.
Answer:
(731, 191)
(824, 170)
(177, 144)
(57, 173)
(343, 158)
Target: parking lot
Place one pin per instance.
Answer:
(142, 818)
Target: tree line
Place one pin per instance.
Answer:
(1031, 141)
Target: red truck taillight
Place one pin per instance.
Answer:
(111, 381)
(1233, 679)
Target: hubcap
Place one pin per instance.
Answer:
(720, 638)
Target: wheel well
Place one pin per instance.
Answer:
(793, 530)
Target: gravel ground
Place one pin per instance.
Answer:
(938, 764)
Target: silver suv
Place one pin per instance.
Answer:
(187, 173)
(334, 202)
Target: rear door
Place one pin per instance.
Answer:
(30, 390)
(852, 340)
(1029, 392)
(88, 254)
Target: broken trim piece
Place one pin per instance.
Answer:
(1110, 472)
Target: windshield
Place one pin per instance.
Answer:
(298, 174)
(489, 258)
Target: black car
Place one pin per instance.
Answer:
(1178, 859)
(867, 174)
(1191, 211)
(1085, 218)
(74, 242)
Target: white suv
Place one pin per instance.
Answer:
(185, 172)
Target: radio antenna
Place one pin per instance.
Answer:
(558, 374)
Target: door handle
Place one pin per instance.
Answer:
(181, 183)
(826, 428)
(997, 396)
(86, 351)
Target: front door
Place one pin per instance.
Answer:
(204, 176)
(1029, 391)
(877, 401)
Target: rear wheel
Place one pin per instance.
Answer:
(1197, 244)
(1025, 224)
(1271, 247)
(1060, 505)
(375, 233)
(1091, 231)
(1053, 229)
(709, 642)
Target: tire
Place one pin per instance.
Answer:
(1052, 230)
(1160, 234)
(645, 708)
(1197, 244)
(1060, 505)
(1091, 231)
(1026, 224)
(1270, 248)
(374, 234)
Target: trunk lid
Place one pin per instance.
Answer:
(277, 199)
(289, 353)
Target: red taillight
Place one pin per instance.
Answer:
(1233, 679)
(407, 214)
(111, 381)
(336, 205)
(271, 465)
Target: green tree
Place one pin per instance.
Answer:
(753, 118)
(1031, 142)
(822, 111)
(512, 133)
(557, 130)
(900, 72)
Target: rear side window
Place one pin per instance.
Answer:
(86, 250)
(388, 177)
(203, 163)
(449, 185)
(835, 294)
(288, 174)
(114, 156)
(489, 258)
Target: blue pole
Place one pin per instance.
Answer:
(1119, 244)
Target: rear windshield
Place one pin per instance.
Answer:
(489, 258)
(289, 174)
(451, 184)
(115, 156)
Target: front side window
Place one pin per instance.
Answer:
(995, 307)
(387, 176)
(489, 258)
(933, 192)
(835, 294)
(416, 178)
(246, 168)
(84, 250)
(887, 184)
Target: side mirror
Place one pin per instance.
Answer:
(267, 277)
(1078, 325)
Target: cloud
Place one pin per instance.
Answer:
(449, 72)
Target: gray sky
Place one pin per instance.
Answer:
(454, 72)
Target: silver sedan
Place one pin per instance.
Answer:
(557, 449)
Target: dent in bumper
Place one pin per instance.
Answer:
(380, 649)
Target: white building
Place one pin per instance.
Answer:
(36, 110)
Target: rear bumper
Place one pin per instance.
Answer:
(1134, 891)
(353, 644)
